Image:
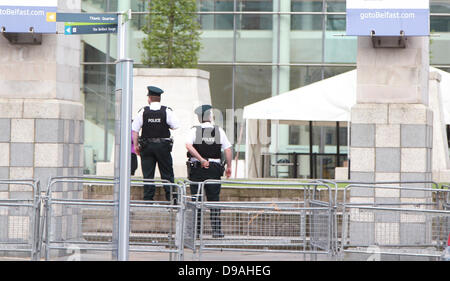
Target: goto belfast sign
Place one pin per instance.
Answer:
(388, 17)
(21, 16)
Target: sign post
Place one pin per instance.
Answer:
(125, 73)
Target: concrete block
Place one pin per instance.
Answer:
(362, 159)
(48, 155)
(414, 160)
(19, 173)
(398, 57)
(22, 154)
(369, 114)
(387, 193)
(387, 233)
(4, 154)
(387, 177)
(419, 179)
(409, 114)
(363, 135)
(387, 160)
(43, 174)
(387, 216)
(4, 174)
(66, 155)
(387, 75)
(11, 108)
(362, 176)
(414, 234)
(374, 93)
(5, 130)
(361, 192)
(341, 173)
(22, 130)
(69, 131)
(416, 201)
(49, 130)
(22, 195)
(414, 136)
(387, 135)
(362, 233)
(52, 109)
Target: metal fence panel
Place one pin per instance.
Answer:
(394, 220)
(19, 218)
(302, 225)
(75, 225)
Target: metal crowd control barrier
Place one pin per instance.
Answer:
(301, 224)
(19, 218)
(75, 224)
(394, 220)
(156, 226)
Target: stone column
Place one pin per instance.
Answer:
(41, 117)
(391, 132)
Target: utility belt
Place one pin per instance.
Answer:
(144, 142)
(197, 165)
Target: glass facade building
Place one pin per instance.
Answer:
(253, 49)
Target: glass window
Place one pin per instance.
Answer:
(254, 21)
(336, 5)
(343, 137)
(216, 21)
(299, 138)
(304, 75)
(220, 83)
(252, 84)
(306, 22)
(324, 137)
(324, 166)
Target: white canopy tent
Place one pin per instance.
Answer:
(327, 100)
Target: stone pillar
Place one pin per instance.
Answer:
(391, 133)
(41, 117)
(391, 130)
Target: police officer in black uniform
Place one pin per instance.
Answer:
(205, 144)
(155, 144)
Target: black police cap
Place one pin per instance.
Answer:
(154, 91)
(202, 109)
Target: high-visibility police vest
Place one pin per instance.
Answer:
(207, 142)
(155, 123)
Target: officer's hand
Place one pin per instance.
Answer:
(228, 172)
(205, 164)
(137, 149)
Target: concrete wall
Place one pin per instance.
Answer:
(41, 117)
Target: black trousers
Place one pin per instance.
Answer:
(152, 154)
(212, 192)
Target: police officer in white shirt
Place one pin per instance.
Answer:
(205, 144)
(155, 143)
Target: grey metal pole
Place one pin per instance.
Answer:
(125, 67)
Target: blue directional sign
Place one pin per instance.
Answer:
(86, 18)
(79, 29)
(388, 17)
(28, 16)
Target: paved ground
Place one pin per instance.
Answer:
(189, 256)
